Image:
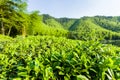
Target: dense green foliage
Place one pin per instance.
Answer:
(10, 15)
(45, 58)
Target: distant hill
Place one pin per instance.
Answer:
(66, 22)
(106, 27)
(51, 21)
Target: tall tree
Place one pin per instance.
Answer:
(35, 22)
(9, 14)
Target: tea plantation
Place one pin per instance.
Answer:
(57, 58)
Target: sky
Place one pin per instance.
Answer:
(75, 8)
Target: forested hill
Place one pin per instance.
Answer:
(97, 26)
(105, 22)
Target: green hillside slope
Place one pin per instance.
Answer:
(110, 23)
(51, 21)
(86, 28)
(66, 22)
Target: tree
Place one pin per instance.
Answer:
(35, 22)
(9, 14)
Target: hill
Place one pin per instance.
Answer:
(106, 27)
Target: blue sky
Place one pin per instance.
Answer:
(75, 8)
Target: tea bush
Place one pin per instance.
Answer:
(51, 58)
